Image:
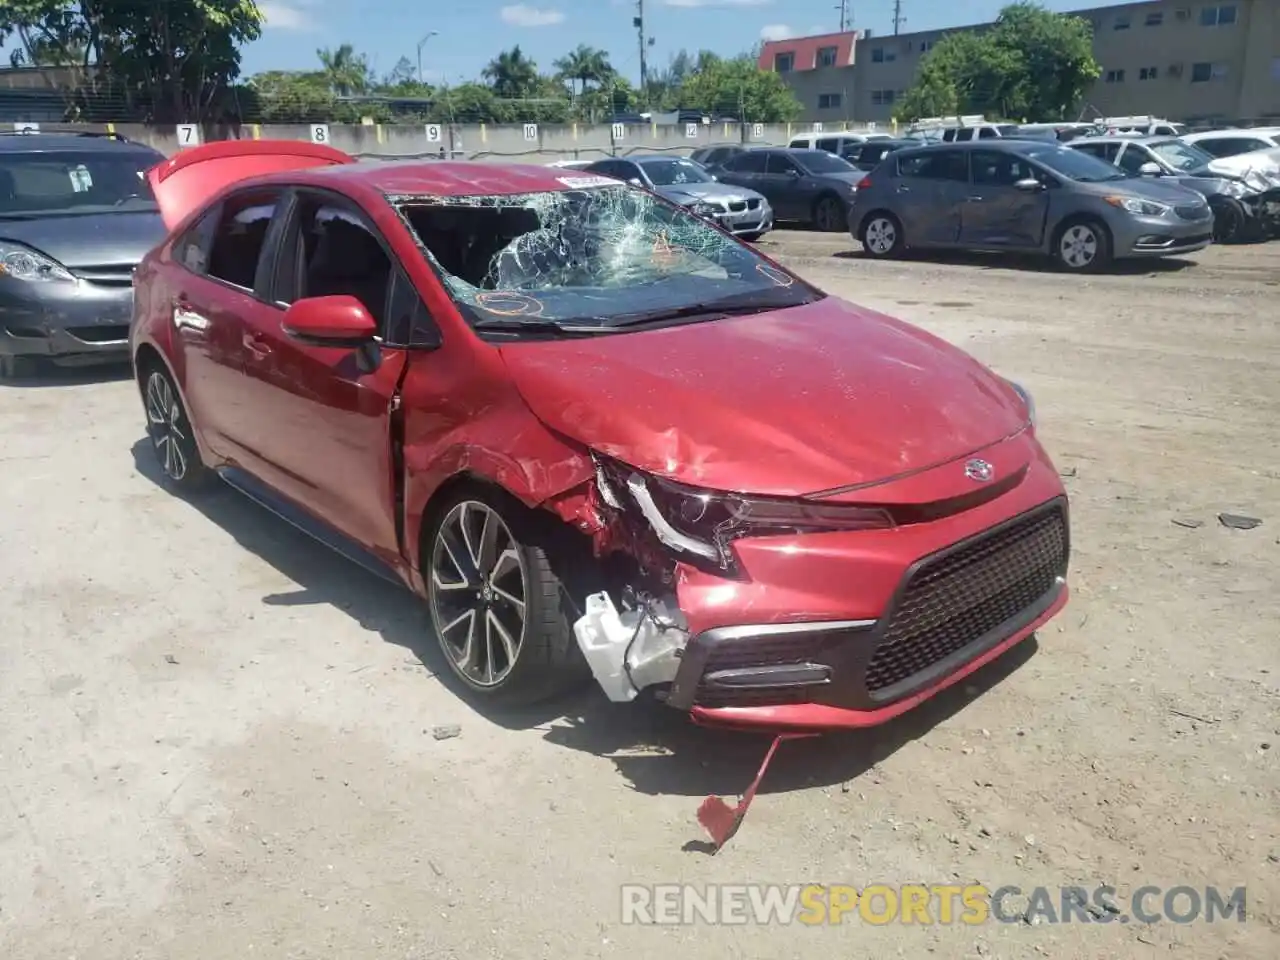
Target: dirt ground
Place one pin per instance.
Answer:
(217, 738)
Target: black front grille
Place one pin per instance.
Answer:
(101, 333)
(107, 275)
(1192, 211)
(753, 204)
(737, 206)
(963, 595)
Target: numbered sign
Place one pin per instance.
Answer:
(188, 135)
(757, 130)
(26, 126)
(691, 130)
(319, 133)
(531, 131)
(619, 131)
(433, 133)
(817, 128)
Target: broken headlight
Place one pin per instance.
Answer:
(704, 523)
(708, 211)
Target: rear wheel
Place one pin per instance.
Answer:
(1083, 246)
(829, 214)
(172, 437)
(881, 236)
(497, 604)
(18, 368)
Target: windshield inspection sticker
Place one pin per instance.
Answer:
(578, 183)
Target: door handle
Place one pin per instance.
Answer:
(976, 199)
(256, 345)
(903, 188)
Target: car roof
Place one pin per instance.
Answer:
(80, 143)
(447, 178)
(1232, 132)
(646, 157)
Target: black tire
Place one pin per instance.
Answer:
(462, 575)
(18, 368)
(750, 237)
(1229, 220)
(172, 435)
(881, 235)
(829, 214)
(1082, 246)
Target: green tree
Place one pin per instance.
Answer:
(738, 88)
(166, 62)
(583, 66)
(1031, 63)
(290, 96)
(346, 71)
(511, 74)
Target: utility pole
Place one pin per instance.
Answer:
(898, 18)
(843, 7)
(638, 22)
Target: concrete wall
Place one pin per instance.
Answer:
(483, 142)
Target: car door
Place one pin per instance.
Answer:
(744, 170)
(783, 183)
(218, 265)
(997, 213)
(930, 194)
(323, 413)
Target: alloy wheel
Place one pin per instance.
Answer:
(881, 235)
(1078, 246)
(167, 426)
(478, 591)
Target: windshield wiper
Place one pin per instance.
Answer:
(739, 305)
(553, 327)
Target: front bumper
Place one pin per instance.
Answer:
(1163, 236)
(71, 323)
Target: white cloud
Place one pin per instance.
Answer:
(716, 3)
(776, 31)
(285, 16)
(523, 15)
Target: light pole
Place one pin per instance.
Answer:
(421, 44)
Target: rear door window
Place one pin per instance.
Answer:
(830, 144)
(748, 162)
(239, 239)
(949, 165)
(780, 163)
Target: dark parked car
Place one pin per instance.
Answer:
(1028, 196)
(867, 156)
(714, 156)
(686, 182)
(76, 216)
(811, 186)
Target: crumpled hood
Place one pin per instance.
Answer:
(784, 403)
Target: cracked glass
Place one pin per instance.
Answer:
(604, 255)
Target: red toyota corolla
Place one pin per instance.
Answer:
(595, 433)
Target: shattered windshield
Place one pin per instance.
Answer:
(598, 258)
(669, 173)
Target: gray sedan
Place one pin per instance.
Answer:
(1024, 196)
(742, 212)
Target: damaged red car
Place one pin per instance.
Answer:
(598, 435)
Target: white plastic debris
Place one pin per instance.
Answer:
(631, 650)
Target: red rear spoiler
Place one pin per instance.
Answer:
(187, 180)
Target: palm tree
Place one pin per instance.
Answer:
(346, 71)
(584, 65)
(512, 75)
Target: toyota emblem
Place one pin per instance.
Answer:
(979, 470)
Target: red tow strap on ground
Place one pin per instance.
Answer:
(722, 821)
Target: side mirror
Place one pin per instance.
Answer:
(636, 182)
(1151, 170)
(793, 173)
(1029, 185)
(340, 321)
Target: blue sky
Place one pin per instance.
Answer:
(466, 39)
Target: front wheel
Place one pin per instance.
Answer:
(881, 236)
(1083, 247)
(17, 368)
(172, 437)
(1228, 221)
(497, 605)
(829, 215)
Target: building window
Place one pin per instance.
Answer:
(1114, 76)
(1155, 19)
(877, 55)
(784, 62)
(1223, 15)
(1148, 73)
(1122, 21)
(1204, 72)
(882, 98)
(826, 57)
(829, 101)
(927, 45)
